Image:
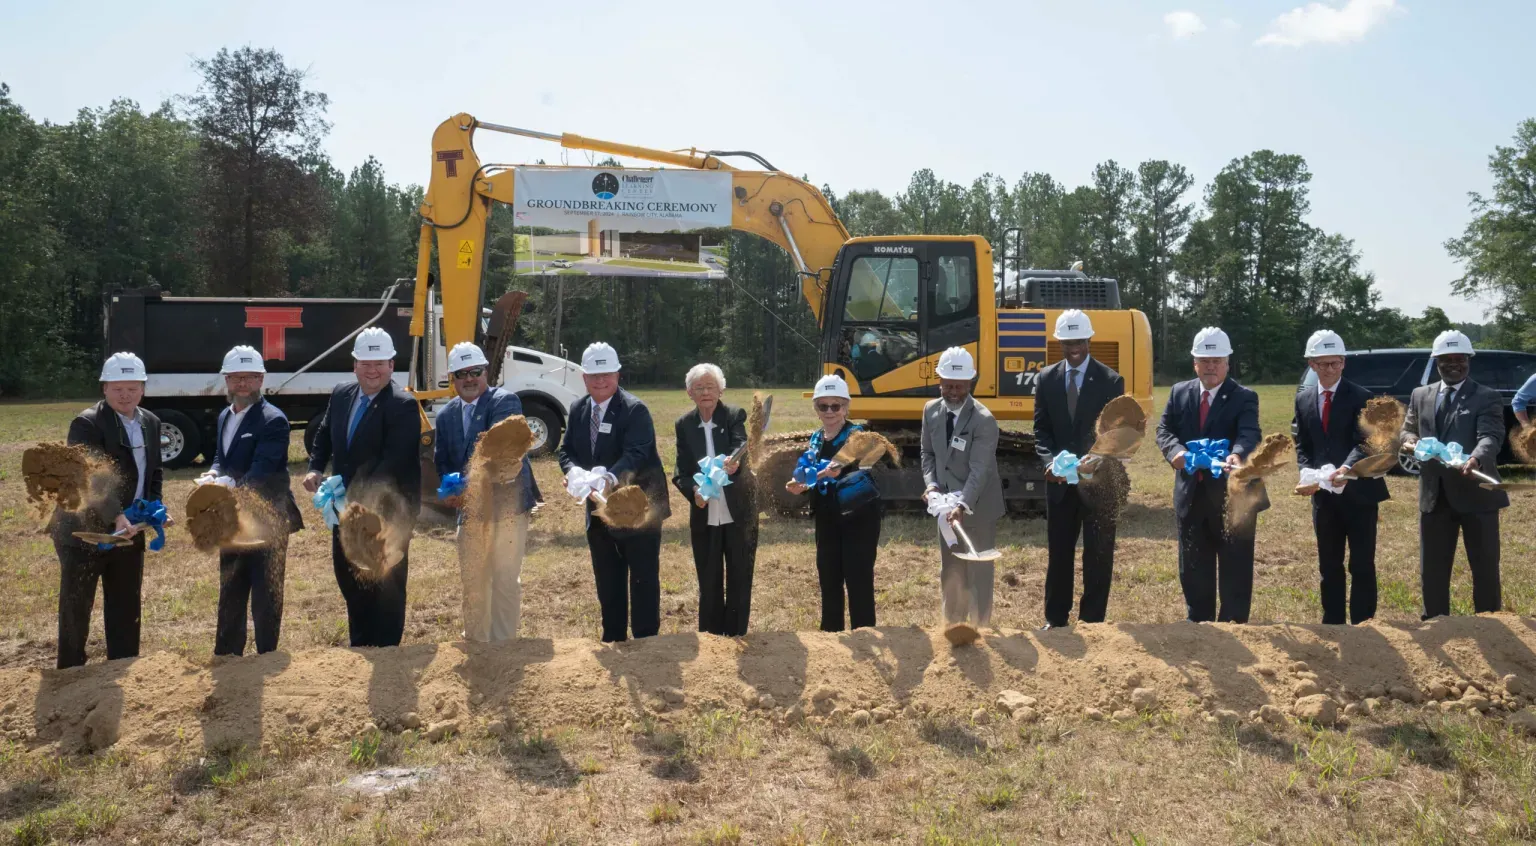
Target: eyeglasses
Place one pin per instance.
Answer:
(474, 373)
(828, 407)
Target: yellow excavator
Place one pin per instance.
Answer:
(886, 306)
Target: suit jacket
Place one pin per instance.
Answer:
(1055, 430)
(454, 445)
(1477, 423)
(1233, 416)
(627, 449)
(385, 450)
(100, 429)
(1341, 444)
(730, 433)
(258, 457)
(971, 471)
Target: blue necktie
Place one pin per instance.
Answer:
(357, 416)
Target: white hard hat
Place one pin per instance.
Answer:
(1324, 342)
(465, 355)
(831, 386)
(1211, 342)
(599, 358)
(243, 359)
(124, 367)
(1073, 325)
(956, 363)
(1452, 342)
(373, 344)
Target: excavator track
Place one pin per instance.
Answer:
(1023, 477)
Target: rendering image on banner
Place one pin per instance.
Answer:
(621, 221)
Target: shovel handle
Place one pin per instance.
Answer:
(970, 547)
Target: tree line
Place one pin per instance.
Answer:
(226, 191)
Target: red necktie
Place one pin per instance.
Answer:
(1205, 408)
(1327, 409)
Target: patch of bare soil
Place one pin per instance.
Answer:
(1382, 419)
(62, 475)
(155, 704)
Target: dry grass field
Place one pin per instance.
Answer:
(555, 739)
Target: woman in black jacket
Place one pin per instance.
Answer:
(723, 529)
(128, 437)
(845, 542)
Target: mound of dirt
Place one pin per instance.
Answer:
(60, 474)
(372, 545)
(213, 519)
(1523, 442)
(1382, 419)
(500, 450)
(867, 448)
(627, 508)
(1122, 412)
(162, 705)
(1273, 453)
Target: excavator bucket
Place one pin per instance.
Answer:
(499, 331)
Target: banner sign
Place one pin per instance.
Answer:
(622, 199)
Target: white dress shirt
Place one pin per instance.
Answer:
(719, 512)
(232, 425)
(135, 440)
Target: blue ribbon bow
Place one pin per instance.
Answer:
(1064, 466)
(712, 477)
(452, 484)
(331, 499)
(1450, 454)
(1206, 454)
(151, 513)
(807, 468)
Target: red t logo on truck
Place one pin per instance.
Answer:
(274, 323)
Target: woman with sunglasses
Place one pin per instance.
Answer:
(847, 526)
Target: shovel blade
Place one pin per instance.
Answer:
(981, 556)
(1507, 486)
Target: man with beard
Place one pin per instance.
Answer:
(251, 451)
(1457, 410)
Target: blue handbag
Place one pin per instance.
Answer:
(855, 492)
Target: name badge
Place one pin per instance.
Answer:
(604, 428)
(957, 442)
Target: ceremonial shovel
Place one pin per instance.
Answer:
(1487, 482)
(116, 538)
(971, 554)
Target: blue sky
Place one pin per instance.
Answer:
(1396, 104)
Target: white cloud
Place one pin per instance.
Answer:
(1183, 24)
(1316, 23)
(1230, 25)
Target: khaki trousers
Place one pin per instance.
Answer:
(491, 565)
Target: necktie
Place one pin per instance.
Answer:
(357, 416)
(597, 415)
(1327, 409)
(1205, 408)
(949, 427)
(1442, 419)
(1072, 393)
(469, 418)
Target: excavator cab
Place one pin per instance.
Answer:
(893, 305)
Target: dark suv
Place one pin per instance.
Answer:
(1398, 372)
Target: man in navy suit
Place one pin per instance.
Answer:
(370, 433)
(1211, 406)
(612, 429)
(1068, 398)
(1328, 433)
(251, 451)
(492, 568)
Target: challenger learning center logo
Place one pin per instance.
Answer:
(605, 186)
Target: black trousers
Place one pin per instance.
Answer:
(253, 579)
(1437, 555)
(121, 573)
(845, 559)
(724, 559)
(1207, 551)
(1065, 520)
(1340, 524)
(375, 609)
(627, 569)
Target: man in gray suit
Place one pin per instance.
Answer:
(1460, 411)
(959, 453)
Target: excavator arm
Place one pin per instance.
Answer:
(774, 205)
